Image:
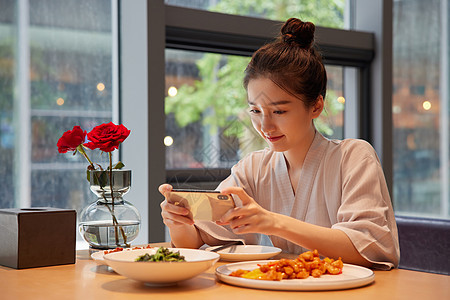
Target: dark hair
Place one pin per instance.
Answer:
(291, 62)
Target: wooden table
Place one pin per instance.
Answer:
(86, 280)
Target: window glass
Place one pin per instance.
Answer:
(420, 113)
(207, 122)
(331, 121)
(327, 13)
(55, 72)
(6, 104)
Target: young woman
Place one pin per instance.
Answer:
(304, 191)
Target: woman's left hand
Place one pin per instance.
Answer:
(250, 218)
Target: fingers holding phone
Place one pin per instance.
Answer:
(171, 213)
(165, 189)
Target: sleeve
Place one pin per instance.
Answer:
(366, 213)
(213, 234)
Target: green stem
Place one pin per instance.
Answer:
(111, 211)
(116, 223)
(116, 234)
(81, 150)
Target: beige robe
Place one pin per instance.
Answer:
(342, 186)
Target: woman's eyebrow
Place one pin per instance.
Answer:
(281, 102)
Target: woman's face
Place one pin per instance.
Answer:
(280, 118)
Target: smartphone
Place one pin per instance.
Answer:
(203, 204)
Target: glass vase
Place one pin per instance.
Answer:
(110, 221)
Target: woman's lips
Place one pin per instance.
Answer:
(274, 138)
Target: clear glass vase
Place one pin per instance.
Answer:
(110, 221)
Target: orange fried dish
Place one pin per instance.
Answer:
(305, 265)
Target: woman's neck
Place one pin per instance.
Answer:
(295, 157)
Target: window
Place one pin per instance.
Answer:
(207, 124)
(421, 108)
(327, 13)
(56, 71)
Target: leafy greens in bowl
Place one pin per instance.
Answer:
(162, 254)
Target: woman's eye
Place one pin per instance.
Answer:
(279, 112)
(254, 111)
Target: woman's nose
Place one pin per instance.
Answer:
(267, 124)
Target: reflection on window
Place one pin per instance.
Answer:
(207, 123)
(331, 121)
(327, 13)
(420, 139)
(55, 72)
(206, 110)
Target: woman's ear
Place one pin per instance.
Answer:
(317, 108)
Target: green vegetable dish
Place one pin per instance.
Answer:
(162, 254)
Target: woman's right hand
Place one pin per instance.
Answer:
(182, 232)
(172, 214)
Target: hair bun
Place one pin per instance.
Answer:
(297, 31)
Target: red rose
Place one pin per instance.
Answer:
(107, 137)
(71, 139)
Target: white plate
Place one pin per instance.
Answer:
(161, 273)
(246, 252)
(352, 276)
(98, 255)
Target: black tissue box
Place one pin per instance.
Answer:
(37, 237)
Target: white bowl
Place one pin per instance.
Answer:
(197, 261)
